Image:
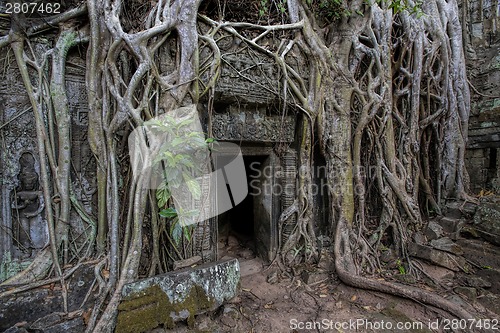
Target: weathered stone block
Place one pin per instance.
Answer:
(447, 245)
(450, 225)
(491, 276)
(434, 230)
(477, 30)
(441, 258)
(487, 222)
(252, 125)
(419, 238)
(475, 153)
(57, 323)
(457, 209)
(247, 80)
(477, 282)
(481, 253)
(437, 273)
(490, 301)
(168, 298)
(34, 304)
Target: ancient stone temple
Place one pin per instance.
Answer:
(248, 109)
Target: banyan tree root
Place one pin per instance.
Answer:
(343, 267)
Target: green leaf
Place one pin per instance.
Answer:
(187, 233)
(168, 213)
(177, 141)
(153, 122)
(169, 120)
(200, 142)
(168, 156)
(176, 232)
(162, 195)
(190, 213)
(187, 161)
(173, 177)
(193, 187)
(210, 140)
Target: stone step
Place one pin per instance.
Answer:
(31, 305)
(248, 266)
(437, 273)
(433, 230)
(457, 209)
(490, 301)
(447, 245)
(480, 252)
(487, 222)
(444, 226)
(450, 225)
(493, 277)
(437, 257)
(52, 323)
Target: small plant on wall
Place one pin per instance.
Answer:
(178, 163)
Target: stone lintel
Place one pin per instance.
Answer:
(255, 127)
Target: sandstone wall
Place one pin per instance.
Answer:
(480, 19)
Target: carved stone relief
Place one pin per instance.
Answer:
(23, 228)
(288, 183)
(83, 177)
(29, 231)
(248, 125)
(20, 202)
(247, 79)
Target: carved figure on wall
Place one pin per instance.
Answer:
(27, 204)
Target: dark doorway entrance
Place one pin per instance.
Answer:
(242, 216)
(249, 223)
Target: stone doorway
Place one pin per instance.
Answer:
(249, 229)
(261, 130)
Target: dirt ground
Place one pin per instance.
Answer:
(268, 301)
(314, 300)
(329, 306)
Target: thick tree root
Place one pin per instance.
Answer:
(391, 288)
(37, 270)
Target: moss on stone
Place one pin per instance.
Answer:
(151, 308)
